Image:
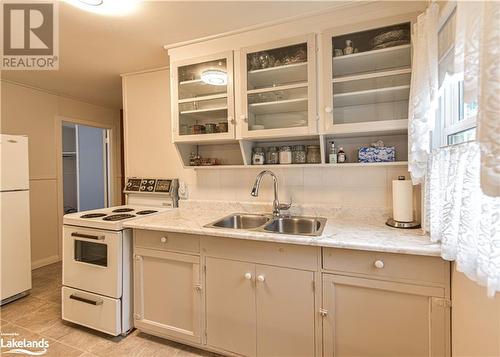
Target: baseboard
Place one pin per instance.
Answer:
(45, 261)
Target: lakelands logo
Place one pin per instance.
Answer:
(30, 35)
(10, 344)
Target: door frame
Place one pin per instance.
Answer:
(112, 156)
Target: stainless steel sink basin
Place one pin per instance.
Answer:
(241, 221)
(310, 226)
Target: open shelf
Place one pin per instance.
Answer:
(187, 88)
(391, 57)
(372, 96)
(209, 113)
(371, 74)
(202, 98)
(291, 166)
(381, 127)
(280, 106)
(290, 73)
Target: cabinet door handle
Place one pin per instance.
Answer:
(261, 278)
(379, 264)
(231, 120)
(248, 276)
(328, 109)
(88, 236)
(244, 117)
(163, 239)
(85, 300)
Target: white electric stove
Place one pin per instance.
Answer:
(97, 256)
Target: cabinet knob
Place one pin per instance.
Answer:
(379, 264)
(261, 278)
(328, 109)
(244, 118)
(248, 276)
(163, 239)
(231, 120)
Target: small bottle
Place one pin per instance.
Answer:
(332, 154)
(341, 157)
(258, 156)
(192, 159)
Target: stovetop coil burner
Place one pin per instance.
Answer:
(122, 210)
(93, 215)
(118, 217)
(146, 211)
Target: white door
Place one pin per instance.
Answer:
(15, 243)
(14, 163)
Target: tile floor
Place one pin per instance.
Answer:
(39, 316)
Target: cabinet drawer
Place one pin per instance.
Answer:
(278, 254)
(98, 312)
(167, 241)
(387, 265)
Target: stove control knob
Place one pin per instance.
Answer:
(163, 239)
(150, 188)
(151, 182)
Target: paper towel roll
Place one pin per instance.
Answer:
(402, 200)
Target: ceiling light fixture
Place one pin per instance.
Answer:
(92, 2)
(106, 7)
(215, 77)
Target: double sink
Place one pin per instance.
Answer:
(295, 225)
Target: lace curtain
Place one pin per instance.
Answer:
(477, 56)
(461, 216)
(423, 91)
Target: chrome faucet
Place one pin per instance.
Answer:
(277, 207)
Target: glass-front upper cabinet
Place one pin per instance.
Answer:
(278, 89)
(367, 80)
(202, 98)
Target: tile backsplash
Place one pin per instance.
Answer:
(342, 186)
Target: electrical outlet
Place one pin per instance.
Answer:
(183, 190)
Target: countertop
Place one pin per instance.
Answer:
(361, 229)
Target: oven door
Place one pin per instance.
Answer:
(92, 260)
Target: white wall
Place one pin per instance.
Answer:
(149, 152)
(36, 113)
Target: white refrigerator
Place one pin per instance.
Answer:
(15, 248)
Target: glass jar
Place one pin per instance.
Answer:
(313, 154)
(285, 155)
(273, 156)
(299, 154)
(210, 128)
(258, 156)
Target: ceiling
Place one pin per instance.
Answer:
(94, 49)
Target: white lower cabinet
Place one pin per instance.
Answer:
(168, 294)
(365, 317)
(259, 310)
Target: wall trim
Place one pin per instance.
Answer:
(45, 261)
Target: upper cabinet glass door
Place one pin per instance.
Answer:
(369, 83)
(203, 90)
(278, 88)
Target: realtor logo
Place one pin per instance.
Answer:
(30, 38)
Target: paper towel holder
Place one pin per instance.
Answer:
(391, 222)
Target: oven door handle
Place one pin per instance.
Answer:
(88, 236)
(85, 300)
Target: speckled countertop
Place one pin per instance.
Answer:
(362, 229)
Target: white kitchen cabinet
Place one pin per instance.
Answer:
(366, 77)
(368, 317)
(230, 306)
(259, 310)
(278, 88)
(202, 98)
(168, 294)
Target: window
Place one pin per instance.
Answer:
(455, 119)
